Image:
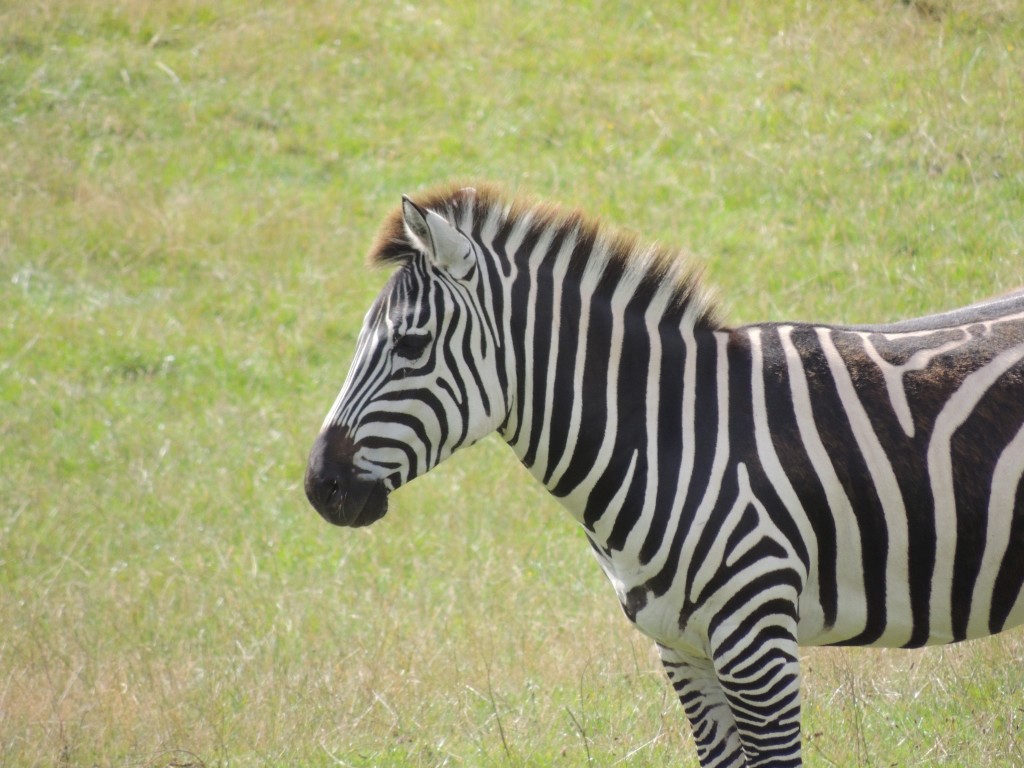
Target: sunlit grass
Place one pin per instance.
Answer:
(187, 190)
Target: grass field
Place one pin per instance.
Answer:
(187, 191)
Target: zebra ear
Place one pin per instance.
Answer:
(442, 243)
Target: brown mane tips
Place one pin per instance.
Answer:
(392, 247)
(652, 267)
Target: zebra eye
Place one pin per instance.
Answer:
(411, 345)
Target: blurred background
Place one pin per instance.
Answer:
(187, 193)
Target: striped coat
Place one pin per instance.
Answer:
(746, 490)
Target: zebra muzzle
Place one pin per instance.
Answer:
(333, 487)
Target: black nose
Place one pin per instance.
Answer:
(329, 467)
(332, 486)
(329, 473)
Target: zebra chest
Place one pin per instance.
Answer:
(658, 617)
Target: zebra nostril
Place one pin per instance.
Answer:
(329, 469)
(325, 489)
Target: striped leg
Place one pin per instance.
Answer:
(760, 675)
(706, 707)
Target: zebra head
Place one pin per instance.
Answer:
(425, 379)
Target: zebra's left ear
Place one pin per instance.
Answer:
(440, 241)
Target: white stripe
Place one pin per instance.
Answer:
(356, 374)
(1005, 479)
(609, 515)
(772, 466)
(940, 470)
(893, 374)
(897, 577)
(577, 500)
(852, 609)
(714, 487)
(559, 269)
(512, 244)
(588, 285)
(526, 407)
(688, 427)
(635, 540)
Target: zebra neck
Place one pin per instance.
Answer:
(600, 380)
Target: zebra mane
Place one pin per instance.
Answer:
(650, 267)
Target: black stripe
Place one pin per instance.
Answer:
(593, 396)
(543, 307)
(705, 439)
(1010, 580)
(852, 471)
(520, 297)
(631, 402)
(569, 341)
(742, 428)
(453, 314)
(977, 445)
(670, 436)
(789, 446)
(752, 593)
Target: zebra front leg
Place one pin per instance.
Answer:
(706, 707)
(758, 668)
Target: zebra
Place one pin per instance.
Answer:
(746, 490)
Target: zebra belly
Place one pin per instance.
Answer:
(991, 601)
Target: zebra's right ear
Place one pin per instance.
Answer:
(439, 240)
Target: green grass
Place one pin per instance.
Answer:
(187, 190)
